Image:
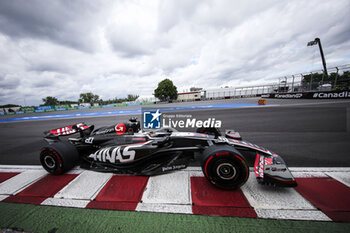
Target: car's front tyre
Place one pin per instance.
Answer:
(224, 167)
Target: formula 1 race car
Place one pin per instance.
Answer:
(126, 149)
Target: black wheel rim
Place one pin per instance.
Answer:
(49, 162)
(226, 171)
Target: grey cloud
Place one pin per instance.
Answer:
(43, 84)
(46, 80)
(128, 50)
(212, 13)
(9, 83)
(130, 41)
(339, 34)
(51, 67)
(207, 43)
(64, 22)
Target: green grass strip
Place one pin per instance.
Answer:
(32, 218)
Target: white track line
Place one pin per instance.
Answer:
(85, 187)
(164, 208)
(274, 202)
(309, 174)
(19, 182)
(314, 215)
(167, 194)
(269, 197)
(168, 189)
(19, 168)
(66, 202)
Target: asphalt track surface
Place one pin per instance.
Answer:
(306, 133)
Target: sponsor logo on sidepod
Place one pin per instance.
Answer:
(115, 154)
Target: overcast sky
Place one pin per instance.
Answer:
(114, 48)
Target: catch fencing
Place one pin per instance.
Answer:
(285, 84)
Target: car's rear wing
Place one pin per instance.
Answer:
(67, 130)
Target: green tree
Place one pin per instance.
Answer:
(88, 98)
(9, 106)
(68, 102)
(49, 100)
(166, 90)
(315, 78)
(343, 80)
(132, 97)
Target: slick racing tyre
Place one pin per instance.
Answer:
(224, 167)
(58, 157)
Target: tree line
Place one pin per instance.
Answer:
(88, 97)
(339, 82)
(165, 91)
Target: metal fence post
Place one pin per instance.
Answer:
(311, 82)
(336, 77)
(279, 85)
(285, 83)
(322, 79)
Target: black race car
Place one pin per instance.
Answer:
(125, 149)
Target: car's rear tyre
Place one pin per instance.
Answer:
(58, 157)
(224, 167)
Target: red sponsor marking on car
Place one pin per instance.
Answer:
(63, 131)
(268, 161)
(233, 137)
(245, 164)
(139, 139)
(206, 165)
(256, 165)
(120, 129)
(259, 166)
(59, 160)
(222, 153)
(67, 130)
